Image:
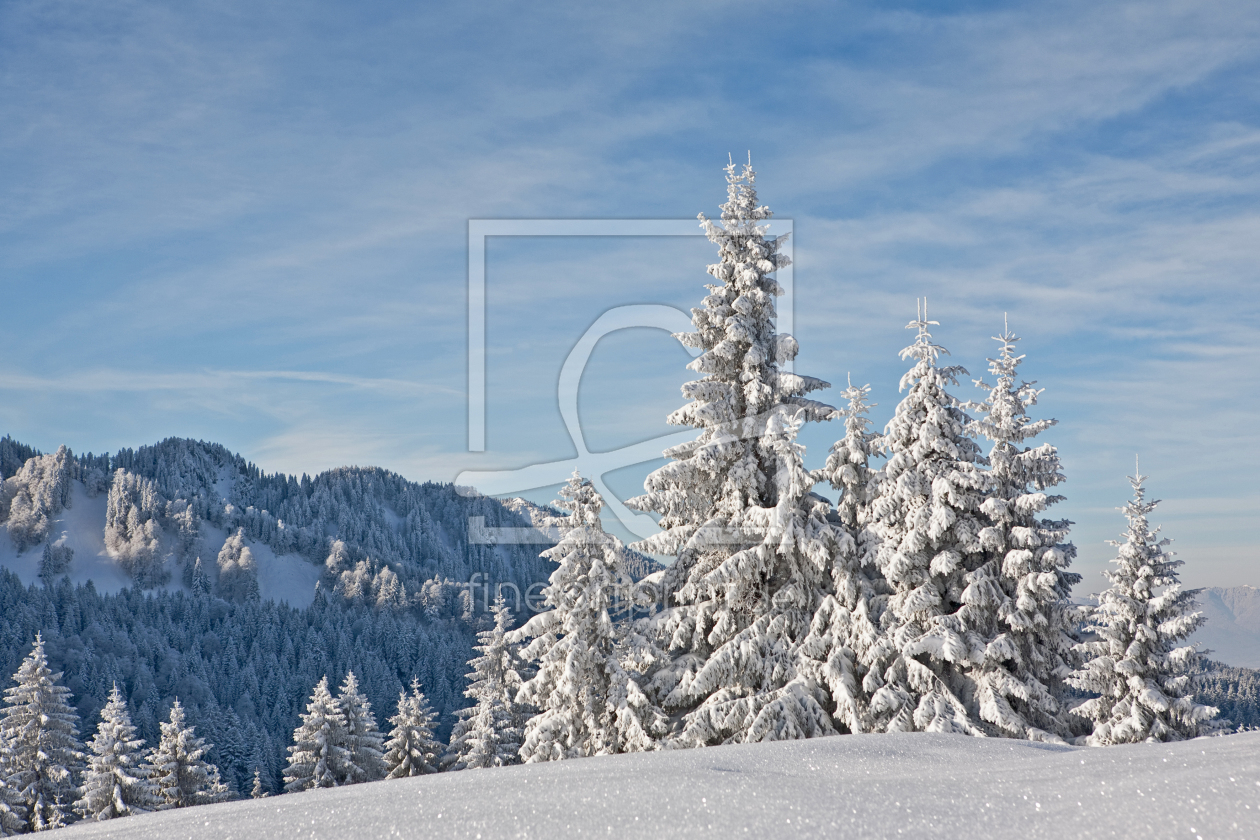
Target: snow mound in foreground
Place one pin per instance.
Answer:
(857, 785)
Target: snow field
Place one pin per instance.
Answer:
(899, 785)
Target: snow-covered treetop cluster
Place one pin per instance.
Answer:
(934, 595)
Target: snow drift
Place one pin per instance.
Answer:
(909, 785)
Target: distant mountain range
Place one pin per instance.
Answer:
(1232, 632)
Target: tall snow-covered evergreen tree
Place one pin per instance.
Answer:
(926, 516)
(411, 749)
(180, 773)
(115, 783)
(752, 542)
(1017, 599)
(488, 734)
(364, 742)
(575, 645)
(844, 639)
(1137, 663)
(46, 755)
(318, 756)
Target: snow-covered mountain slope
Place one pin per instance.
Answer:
(144, 516)
(81, 528)
(1232, 631)
(913, 785)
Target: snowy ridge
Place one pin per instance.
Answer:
(898, 785)
(81, 526)
(143, 517)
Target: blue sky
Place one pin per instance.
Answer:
(247, 223)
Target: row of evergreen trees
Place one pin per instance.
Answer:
(48, 777)
(338, 742)
(934, 596)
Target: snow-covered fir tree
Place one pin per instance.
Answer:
(411, 749)
(488, 734)
(45, 753)
(926, 516)
(588, 703)
(258, 791)
(752, 543)
(198, 580)
(12, 812)
(116, 784)
(849, 467)
(318, 756)
(364, 743)
(1138, 662)
(55, 561)
(180, 773)
(844, 640)
(1017, 599)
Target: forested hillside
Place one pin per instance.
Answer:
(242, 671)
(381, 539)
(1235, 691)
(192, 528)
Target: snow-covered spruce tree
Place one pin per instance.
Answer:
(55, 561)
(411, 749)
(844, 638)
(488, 734)
(849, 467)
(199, 581)
(1137, 663)
(752, 543)
(318, 755)
(180, 773)
(364, 742)
(926, 516)
(46, 755)
(575, 645)
(12, 812)
(115, 783)
(1017, 599)
(258, 791)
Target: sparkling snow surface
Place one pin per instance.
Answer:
(848, 786)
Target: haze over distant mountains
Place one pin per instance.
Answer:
(1232, 631)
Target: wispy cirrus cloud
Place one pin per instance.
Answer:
(247, 222)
